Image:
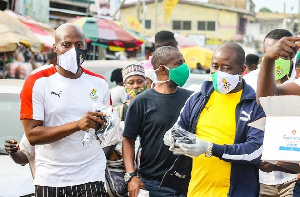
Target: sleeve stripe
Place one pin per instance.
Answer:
(247, 157)
(26, 111)
(92, 73)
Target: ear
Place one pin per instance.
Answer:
(163, 69)
(54, 48)
(243, 68)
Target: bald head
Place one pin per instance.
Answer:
(68, 36)
(68, 30)
(240, 53)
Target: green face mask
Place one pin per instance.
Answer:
(297, 56)
(282, 68)
(180, 74)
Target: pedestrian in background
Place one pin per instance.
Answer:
(162, 38)
(251, 63)
(134, 81)
(118, 94)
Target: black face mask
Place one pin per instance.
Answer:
(80, 55)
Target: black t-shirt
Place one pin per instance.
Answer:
(150, 115)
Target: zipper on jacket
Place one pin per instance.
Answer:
(198, 112)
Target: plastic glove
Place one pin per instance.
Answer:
(192, 150)
(168, 139)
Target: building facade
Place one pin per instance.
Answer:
(210, 22)
(266, 22)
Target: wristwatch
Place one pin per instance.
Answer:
(128, 176)
(208, 152)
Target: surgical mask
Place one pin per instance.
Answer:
(282, 68)
(224, 82)
(72, 59)
(178, 75)
(134, 92)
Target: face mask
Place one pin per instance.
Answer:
(282, 68)
(224, 82)
(297, 56)
(72, 59)
(134, 92)
(178, 75)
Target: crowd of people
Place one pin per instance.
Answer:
(21, 63)
(220, 155)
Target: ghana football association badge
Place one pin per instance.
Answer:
(93, 95)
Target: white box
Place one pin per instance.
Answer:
(282, 128)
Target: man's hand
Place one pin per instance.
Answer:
(11, 146)
(292, 167)
(91, 120)
(266, 166)
(134, 186)
(285, 48)
(192, 150)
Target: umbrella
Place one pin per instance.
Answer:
(45, 37)
(44, 32)
(182, 41)
(103, 30)
(13, 32)
(27, 19)
(193, 55)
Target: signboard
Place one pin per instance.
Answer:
(106, 8)
(199, 39)
(36, 9)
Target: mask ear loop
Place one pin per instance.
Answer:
(153, 82)
(241, 78)
(159, 82)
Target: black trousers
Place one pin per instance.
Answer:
(93, 189)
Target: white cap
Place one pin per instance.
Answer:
(133, 69)
(150, 73)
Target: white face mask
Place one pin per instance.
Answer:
(224, 82)
(72, 59)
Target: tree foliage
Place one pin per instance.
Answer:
(265, 9)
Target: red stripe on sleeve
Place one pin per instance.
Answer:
(26, 111)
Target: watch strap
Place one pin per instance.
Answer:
(208, 152)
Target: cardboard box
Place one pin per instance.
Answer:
(282, 128)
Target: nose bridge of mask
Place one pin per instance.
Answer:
(70, 51)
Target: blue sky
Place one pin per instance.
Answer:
(277, 5)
